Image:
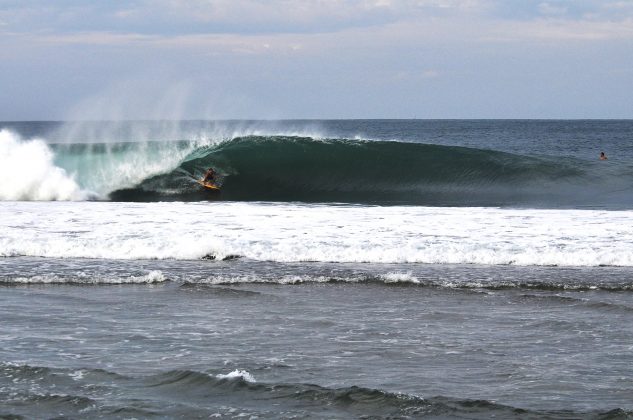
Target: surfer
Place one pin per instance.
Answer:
(209, 176)
(603, 156)
(208, 181)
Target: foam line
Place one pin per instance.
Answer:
(290, 232)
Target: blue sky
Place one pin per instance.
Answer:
(215, 59)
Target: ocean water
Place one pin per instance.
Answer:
(347, 269)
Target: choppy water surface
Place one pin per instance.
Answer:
(376, 347)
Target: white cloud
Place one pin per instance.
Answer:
(409, 33)
(96, 38)
(302, 55)
(560, 30)
(548, 9)
(196, 17)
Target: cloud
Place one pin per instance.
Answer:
(558, 29)
(338, 57)
(285, 26)
(117, 21)
(196, 16)
(144, 20)
(549, 9)
(97, 38)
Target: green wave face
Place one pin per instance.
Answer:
(276, 168)
(284, 168)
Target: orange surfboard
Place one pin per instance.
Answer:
(208, 185)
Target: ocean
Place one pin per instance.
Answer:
(346, 269)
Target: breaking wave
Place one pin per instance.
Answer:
(28, 172)
(280, 168)
(293, 168)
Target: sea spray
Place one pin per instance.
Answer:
(106, 167)
(146, 159)
(28, 172)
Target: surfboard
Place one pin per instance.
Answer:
(208, 185)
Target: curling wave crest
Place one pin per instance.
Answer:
(288, 168)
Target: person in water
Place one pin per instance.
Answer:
(209, 176)
(603, 156)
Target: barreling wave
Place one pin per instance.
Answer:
(281, 168)
(292, 168)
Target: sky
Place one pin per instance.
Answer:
(316, 59)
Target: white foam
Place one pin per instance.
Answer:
(155, 276)
(238, 373)
(288, 232)
(77, 375)
(286, 279)
(400, 278)
(27, 172)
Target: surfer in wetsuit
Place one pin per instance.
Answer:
(209, 176)
(603, 156)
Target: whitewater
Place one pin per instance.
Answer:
(295, 232)
(27, 172)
